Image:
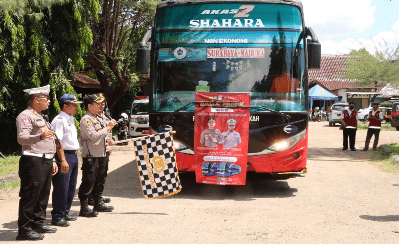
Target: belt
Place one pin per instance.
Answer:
(71, 151)
(40, 155)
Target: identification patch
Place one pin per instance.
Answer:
(42, 129)
(89, 123)
(25, 121)
(59, 124)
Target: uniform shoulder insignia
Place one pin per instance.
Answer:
(25, 121)
(88, 122)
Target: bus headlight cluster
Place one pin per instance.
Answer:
(178, 146)
(288, 143)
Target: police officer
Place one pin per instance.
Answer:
(231, 138)
(211, 137)
(36, 165)
(93, 140)
(375, 117)
(104, 120)
(64, 182)
(349, 118)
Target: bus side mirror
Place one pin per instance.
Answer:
(143, 54)
(143, 60)
(314, 55)
(314, 49)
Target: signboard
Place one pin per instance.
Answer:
(221, 134)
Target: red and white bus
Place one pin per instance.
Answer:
(256, 47)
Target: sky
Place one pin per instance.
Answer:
(344, 25)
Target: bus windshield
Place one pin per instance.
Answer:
(262, 55)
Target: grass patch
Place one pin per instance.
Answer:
(9, 165)
(384, 161)
(13, 184)
(384, 126)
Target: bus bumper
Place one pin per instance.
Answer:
(290, 161)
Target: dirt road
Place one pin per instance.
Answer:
(343, 199)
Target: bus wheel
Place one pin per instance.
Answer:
(333, 124)
(329, 123)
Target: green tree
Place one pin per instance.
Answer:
(41, 42)
(376, 69)
(121, 25)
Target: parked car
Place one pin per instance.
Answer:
(364, 113)
(335, 113)
(386, 111)
(395, 115)
(139, 118)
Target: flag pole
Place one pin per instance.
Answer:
(140, 138)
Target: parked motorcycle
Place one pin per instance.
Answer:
(324, 116)
(316, 115)
(123, 127)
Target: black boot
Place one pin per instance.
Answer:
(99, 206)
(85, 211)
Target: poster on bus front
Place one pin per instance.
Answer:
(221, 134)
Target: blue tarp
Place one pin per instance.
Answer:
(319, 93)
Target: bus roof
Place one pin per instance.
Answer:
(168, 3)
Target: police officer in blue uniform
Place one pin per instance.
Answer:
(64, 182)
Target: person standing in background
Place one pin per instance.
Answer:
(375, 117)
(349, 118)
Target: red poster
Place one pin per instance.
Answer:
(221, 137)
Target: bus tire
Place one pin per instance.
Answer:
(329, 123)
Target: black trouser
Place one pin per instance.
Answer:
(35, 174)
(93, 178)
(370, 133)
(103, 166)
(351, 133)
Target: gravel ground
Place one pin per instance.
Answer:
(343, 199)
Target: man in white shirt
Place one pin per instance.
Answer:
(375, 117)
(64, 182)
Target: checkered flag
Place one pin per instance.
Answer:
(156, 163)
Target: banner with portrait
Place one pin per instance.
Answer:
(221, 132)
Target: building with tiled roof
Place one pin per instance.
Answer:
(330, 76)
(85, 84)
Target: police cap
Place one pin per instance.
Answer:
(69, 98)
(231, 122)
(44, 90)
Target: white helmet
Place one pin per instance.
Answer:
(124, 116)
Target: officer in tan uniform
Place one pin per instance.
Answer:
(93, 140)
(231, 138)
(36, 165)
(104, 120)
(211, 137)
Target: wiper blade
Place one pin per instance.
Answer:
(283, 115)
(169, 116)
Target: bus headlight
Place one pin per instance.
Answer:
(288, 143)
(178, 146)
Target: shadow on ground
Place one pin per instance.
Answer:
(124, 182)
(386, 218)
(10, 231)
(337, 154)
